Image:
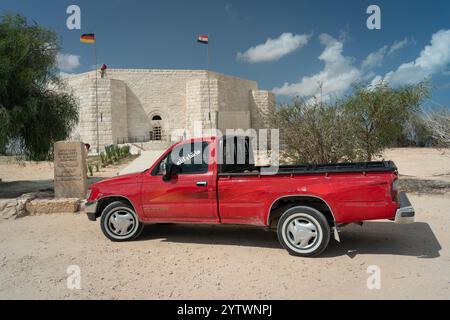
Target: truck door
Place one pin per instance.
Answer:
(189, 194)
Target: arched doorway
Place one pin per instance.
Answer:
(156, 132)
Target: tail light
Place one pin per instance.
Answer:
(394, 190)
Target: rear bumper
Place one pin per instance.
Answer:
(405, 213)
(91, 210)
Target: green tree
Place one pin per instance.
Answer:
(379, 115)
(35, 111)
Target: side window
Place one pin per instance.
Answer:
(191, 158)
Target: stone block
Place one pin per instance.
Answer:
(48, 206)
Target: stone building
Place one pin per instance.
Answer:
(139, 105)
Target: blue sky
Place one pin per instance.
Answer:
(311, 42)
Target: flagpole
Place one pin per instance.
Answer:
(96, 94)
(209, 87)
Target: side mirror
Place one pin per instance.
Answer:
(165, 169)
(169, 171)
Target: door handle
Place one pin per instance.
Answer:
(201, 183)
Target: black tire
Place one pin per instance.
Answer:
(120, 222)
(303, 231)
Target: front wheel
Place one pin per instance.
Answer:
(303, 231)
(120, 222)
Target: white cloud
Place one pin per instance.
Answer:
(67, 62)
(274, 49)
(340, 73)
(374, 59)
(434, 58)
(397, 45)
(337, 76)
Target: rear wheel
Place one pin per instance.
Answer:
(120, 222)
(303, 231)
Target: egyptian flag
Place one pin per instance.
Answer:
(203, 39)
(87, 38)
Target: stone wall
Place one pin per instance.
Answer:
(234, 120)
(112, 111)
(129, 98)
(119, 110)
(200, 100)
(261, 103)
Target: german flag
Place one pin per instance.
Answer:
(88, 38)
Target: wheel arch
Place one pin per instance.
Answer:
(105, 201)
(283, 203)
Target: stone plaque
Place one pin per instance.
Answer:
(70, 169)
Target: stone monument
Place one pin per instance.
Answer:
(142, 105)
(70, 169)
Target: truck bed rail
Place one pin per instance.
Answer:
(372, 166)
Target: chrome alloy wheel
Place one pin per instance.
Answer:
(121, 222)
(302, 233)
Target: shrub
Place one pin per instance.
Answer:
(438, 122)
(103, 159)
(90, 169)
(379, 115)
(125, 151)
(313, 133)
(355, 128)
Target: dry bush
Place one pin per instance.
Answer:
(438, 122)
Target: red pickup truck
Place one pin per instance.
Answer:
(305, 203)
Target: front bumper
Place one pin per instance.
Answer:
(405, 213)
(91, 210)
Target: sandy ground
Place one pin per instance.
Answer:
(226, 262)
(222, 262)
(424, 163)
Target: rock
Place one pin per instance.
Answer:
(15, 208)
(8, 208)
